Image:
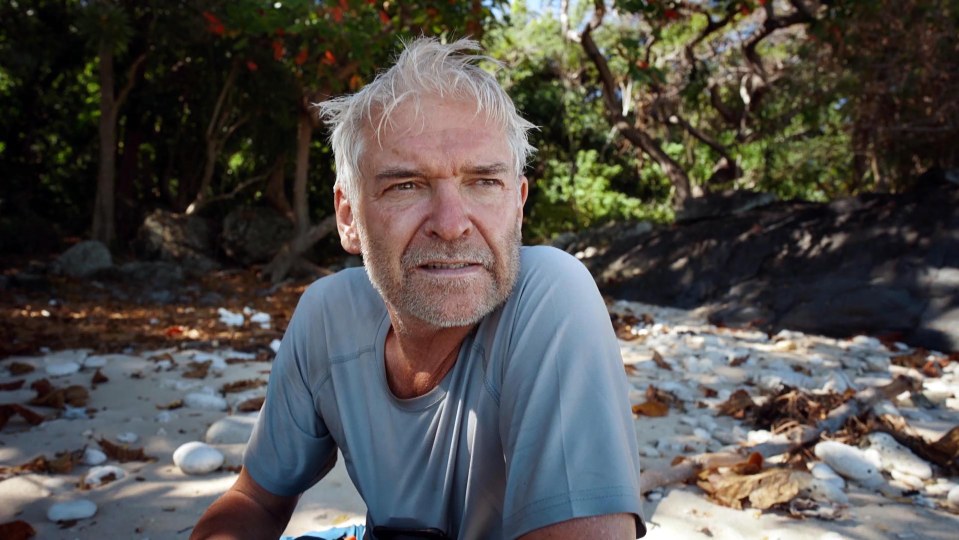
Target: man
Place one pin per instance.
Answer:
(474, 387)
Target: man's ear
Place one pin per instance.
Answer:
(345, 222)
(523, 191)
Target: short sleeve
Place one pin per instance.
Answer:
(290, 448)
(565, 422)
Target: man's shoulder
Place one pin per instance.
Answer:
(346, 291)
(537, 262)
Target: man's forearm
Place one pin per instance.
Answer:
(246, 510)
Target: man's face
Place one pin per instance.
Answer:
(439, 214)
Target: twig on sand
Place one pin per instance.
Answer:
(799, 437)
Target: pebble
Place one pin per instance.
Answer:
(231, 430)
(825, 473)
(952, 498)
(275, 345)
(205, 402)
(62, 369)
(92, 456)
(895, 457)
(94, 362)
(128, 437)
(849, 462)
(230, 318)
(97, 475)
(196, 457)
(70, 510)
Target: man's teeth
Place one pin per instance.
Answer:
(444, 266)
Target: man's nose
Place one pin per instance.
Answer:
(449, 214)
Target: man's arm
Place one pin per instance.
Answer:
(612, 526)
(246, 510)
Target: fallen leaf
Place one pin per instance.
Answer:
(20, 368)
(122, 453)
(58, 398)
(915, 359)
(12, 385)
(763, 490)
(99, 378)
(660, 361)
(175, 404)
(739, 360)
(738, 404)
(240, 386)
(948, 444)
(197, 370)
(651, 408)
(16, 530)
(631, 369)
(251, 405)
(752, 465)
(7, 412)
(708, 392)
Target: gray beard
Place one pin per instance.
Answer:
(405, 297)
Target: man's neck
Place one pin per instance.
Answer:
(418, 356)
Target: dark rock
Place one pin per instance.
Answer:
(875, 264)
(84, 259)
(30, 282)
(152, 274)
(724, 203)
(254, 235)
(185, 240)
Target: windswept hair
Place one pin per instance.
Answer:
(426, 67)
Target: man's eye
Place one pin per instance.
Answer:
(488, 182)
(402, 186)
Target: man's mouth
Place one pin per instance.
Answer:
(446, 266)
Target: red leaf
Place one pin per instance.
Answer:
(251, 65)
(328, 58)
(384, 18)
(337, 14)
(301, 57)
(278, 49)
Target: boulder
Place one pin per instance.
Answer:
(254, 235)
(177, 238)
(876, 264)
(152, 274)
(84, 259)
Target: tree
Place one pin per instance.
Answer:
(107, 24)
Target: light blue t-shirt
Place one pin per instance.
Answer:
(531, 426)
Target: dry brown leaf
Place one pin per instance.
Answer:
(16, 530)
(99, 378)
(122, 453)
(763, 490)
(708, 392)
(12, 385)
(652, 408)
(660, 361)
(58, 398)
(240, 386)
(20, 368)
(7, 411)
(948, 444)
(739, 360)
(197, 370)
(175, 404)
(752, 465)
(630, 369)
(738, 404)
(915, 359)
(251, 405)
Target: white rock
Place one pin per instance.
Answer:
(205, 402)
(94, 362)
(97, 475)
(826, 491)
(62, 369)
(74, 413)
(825, 473)
(128, 437)
(896, 457)
(654, 496)
(875, 362)
(230, 318)
(648, 451)
(849, 462)
(906, 481)
(164, 417)
(758, 436)
(231, 430)
(70, 510)
(867, 342)
(885, 407)
(275, 345)
(952, 499)
(92, 456)
(702, 434)
(196, 457)
(260, 318)
(941, 488)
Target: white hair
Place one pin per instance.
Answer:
(426, 67)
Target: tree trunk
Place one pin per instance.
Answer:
(103, 207)
(304, 234)
(275, 193)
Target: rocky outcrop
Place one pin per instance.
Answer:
(254, 235)
(177, 238)
(84, 259)
(876, 264)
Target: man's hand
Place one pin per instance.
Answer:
(610, 526)
(246, 510)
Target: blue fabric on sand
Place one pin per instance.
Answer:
(331, 534)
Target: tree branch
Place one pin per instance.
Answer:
(131, 81)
